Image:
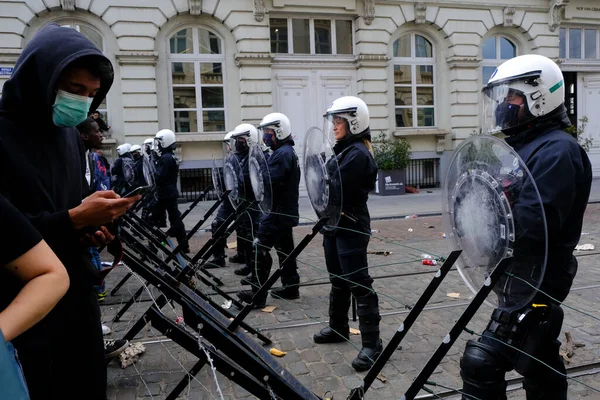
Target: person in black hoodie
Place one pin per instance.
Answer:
(345, 246)
(524, 100)
(275, 227)
(60, 74)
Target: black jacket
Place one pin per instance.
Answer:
(166, 175)
(42, 167)
(244, 183)
(563, 175)
(358, 172)
(139, 172)
(284, 171)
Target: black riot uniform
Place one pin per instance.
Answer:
(275, 228)
(218, 258)
(138, 168)
(167, 194)
(346, 251)
(120, 184)
(562, 172)
(248, 221)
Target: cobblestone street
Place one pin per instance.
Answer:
(399, 280)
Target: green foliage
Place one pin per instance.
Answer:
(391, 154)
(577, 133)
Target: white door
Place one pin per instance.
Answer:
(589, 104)
(304, 95)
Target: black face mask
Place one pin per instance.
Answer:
(241, 146)
(507, 115)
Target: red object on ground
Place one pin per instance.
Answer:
(428, 262)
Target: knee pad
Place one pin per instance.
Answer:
(482, 370)
(540, 341)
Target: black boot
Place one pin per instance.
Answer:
(289, 292)
(248, 281)
(367, 308)
(215, 262)
(338, 330)
(367, 357)
(332, 335)
(245, 270)
(247, 295)
(238, 259)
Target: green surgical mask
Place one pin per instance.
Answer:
(69, 109)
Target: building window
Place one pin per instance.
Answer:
(414, 77)
(495, 51)
(579, 43)
(197, 91)
(311, 36)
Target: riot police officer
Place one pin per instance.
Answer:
(165, 178)
(243, 137)
(225, 210)
(275, 228)
(138, 165)
(150, 211)
(345, 246)
(524, 100)
(123, 166)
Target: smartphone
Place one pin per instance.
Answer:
(138, 190)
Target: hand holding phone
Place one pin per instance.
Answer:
(138, 190)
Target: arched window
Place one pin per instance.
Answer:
(197, 91)
(95, 37)
(495, 51)
(414, 81)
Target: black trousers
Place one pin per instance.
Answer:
(63, 355)
(346, 260)
(283, 241)
(483, 371)
(177, 228)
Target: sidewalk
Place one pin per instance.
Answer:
(427, 202)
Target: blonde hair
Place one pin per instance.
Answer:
(367, 143)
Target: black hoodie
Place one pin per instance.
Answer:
(42, 167)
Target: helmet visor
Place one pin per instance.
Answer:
(504, 107)
(336, 126)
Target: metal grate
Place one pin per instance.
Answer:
(423, 173)
(195, 181)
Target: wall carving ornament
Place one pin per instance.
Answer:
(195, 7)
(259, 10)
(369, 11)
(557, 11)
(420, 13)
(509, 12)
(67, 5)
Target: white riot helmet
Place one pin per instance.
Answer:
(279, 123)
(124, 148)
(520, 90)
(136, 148)
(228, 143)
(247, 132)
(353, 110)
(149, 144)
(164, 139)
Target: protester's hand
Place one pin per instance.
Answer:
(100, 208)
(100, 238)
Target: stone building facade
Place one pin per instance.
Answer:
(200, 67)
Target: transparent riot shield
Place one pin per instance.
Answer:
(148, 169)
(492, 210)
(260, 179)
(233, 179)
(217, 178)
(322, 176)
